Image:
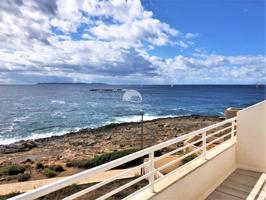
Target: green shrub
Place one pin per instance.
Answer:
(13, 169)
(39, 166)
(189, 158)
(107, 157)
(102, 159)
(28, 160)
(49, 172)
(158, 153)
(23, 177)
(7, 196)
(85, 164)
(57, 168)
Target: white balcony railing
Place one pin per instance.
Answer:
(206, 139)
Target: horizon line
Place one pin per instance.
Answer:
(117, 84)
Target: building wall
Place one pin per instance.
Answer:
(251, 137)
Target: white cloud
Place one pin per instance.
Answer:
(68, 16)
(120, 10)
(212, 68)
(110, 41)
(148, 29)
(184, 45)
(191, 35)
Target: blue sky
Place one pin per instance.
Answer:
(132, 41)
(228, 27)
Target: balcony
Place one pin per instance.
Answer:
(226, 160)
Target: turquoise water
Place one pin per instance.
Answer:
(54, 109)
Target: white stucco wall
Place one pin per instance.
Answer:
(201, 181)
(251, 137)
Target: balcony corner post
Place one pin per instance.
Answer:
(204, 145)
(151, 171)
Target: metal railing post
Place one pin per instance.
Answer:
(233, 131)
(204, 147)
(151, 171)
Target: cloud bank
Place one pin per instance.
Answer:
(106, 41)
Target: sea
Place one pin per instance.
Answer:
(43, 110)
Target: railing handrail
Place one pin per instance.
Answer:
(46, 189)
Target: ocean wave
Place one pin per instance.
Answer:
(9, 128)
(33, 136)
(20, 119)
(57, 102)
(182, 109)
(6, 141)
(123, 119)
(58, 114)
(137, 118)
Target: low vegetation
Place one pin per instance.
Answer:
(23, 172)
(12, 169)
(28, 160)
(49, 173)
(189, 158)
(102, 159)
(57, 168)
(85, 164)
(39, 166)
(23, 177)
(62, 193)
(7, 196)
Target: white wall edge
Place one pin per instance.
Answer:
(252, 106)
(245, 167)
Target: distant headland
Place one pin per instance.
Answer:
(58, 83)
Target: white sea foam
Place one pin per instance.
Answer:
(10, 128)
(221, 113)
(57, 102)
(20, 119)
(58, 114)
(137, 118)
(5, 141)
(132, 118)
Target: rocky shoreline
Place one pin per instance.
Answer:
(87, 143)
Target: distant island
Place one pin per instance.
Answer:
(94, 87)
(56, 83)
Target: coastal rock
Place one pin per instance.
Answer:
(87, 143)
(166, 125)
(28, 160)
(76, 143)
(91, 143)
(2, 179)
(18, 147)
(108, 137)
(7, 150)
